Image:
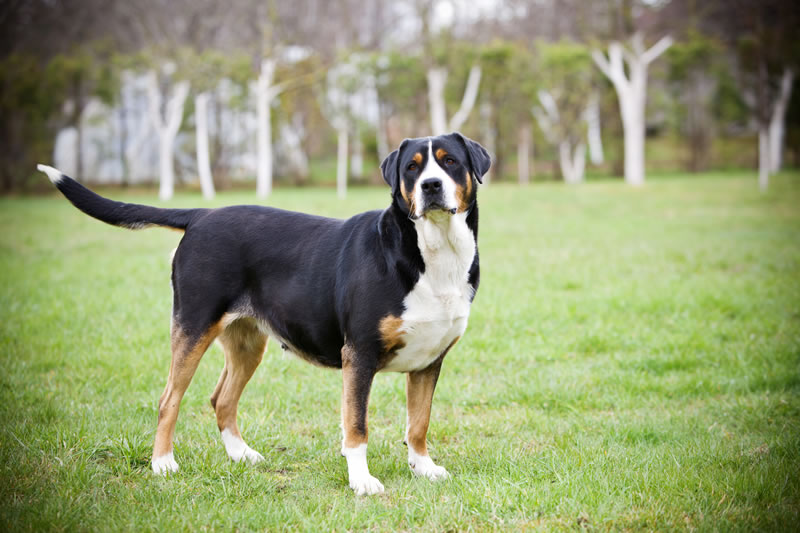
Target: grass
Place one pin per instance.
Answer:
(632, 363)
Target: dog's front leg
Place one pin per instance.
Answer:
(357, 374)
(419, 395)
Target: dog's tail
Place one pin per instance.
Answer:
(131, 216)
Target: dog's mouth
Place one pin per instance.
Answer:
(436, 210)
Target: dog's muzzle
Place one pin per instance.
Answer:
(433, 196)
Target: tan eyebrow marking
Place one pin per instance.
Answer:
(440, 153)
(418, 158)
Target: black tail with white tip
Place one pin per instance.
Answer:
(131, 216)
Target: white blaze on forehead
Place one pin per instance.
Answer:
(434, 170)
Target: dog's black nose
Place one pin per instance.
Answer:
(431, 185)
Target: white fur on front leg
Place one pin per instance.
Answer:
(360, 479)
(238, 450)
(164, 464)
(423, 465)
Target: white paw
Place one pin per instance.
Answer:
(365, 484)
(237, 449)
(252, 456)
(165, 464)
(357, 471)
(423, 465)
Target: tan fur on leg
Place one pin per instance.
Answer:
(244, 346)
(356, 384)
(420, 386)
(186, 355)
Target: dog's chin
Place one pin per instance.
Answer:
(438, 212)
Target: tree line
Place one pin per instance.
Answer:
(226, 91)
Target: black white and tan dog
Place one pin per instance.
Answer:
(383, 291)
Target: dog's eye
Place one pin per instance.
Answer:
(412, 166)
(449, 161)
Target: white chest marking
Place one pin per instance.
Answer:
(437, 309)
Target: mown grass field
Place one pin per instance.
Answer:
(632, 363)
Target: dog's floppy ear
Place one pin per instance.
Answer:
(479, 159)
(390, 170)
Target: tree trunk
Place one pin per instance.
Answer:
(437, 78)
(357, 156)
(201, 136)
(763, 157)
(263, 97)
(79, 146)
(593, 131)
(341, 159)
(633, 126)
(573, 162)
(381, 139)
(631, 88)
(489, 137)
(523, 154)
(123, 143)
(632, 101)
(468, 101)
(166, 186)
(777, 123)
(167, 128)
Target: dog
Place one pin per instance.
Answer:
(384, 291)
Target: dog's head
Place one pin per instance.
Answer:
(435, 174)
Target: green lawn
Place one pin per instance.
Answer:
(632, 363)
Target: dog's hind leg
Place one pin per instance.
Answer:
(187, 350)
(244, 344)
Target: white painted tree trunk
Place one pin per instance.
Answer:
(437, 79)
(777, 123)
(264, 94)
(167, 128)
(631, 90)
(489, 138)
(523, 154)
(633, 134)
(572, 161)
(381, 139)
(357, 156)
(341, 159)
(593, 131)
(201, 136)
(763, 157)
(468, 100)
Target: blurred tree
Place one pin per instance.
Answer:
(507, 87)
(82, 73)
(166, 119)
(627, 70)
(694, 69)
(564, 99)
(28, 101)
(764, 37)
(401, 87)
(439, 51)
